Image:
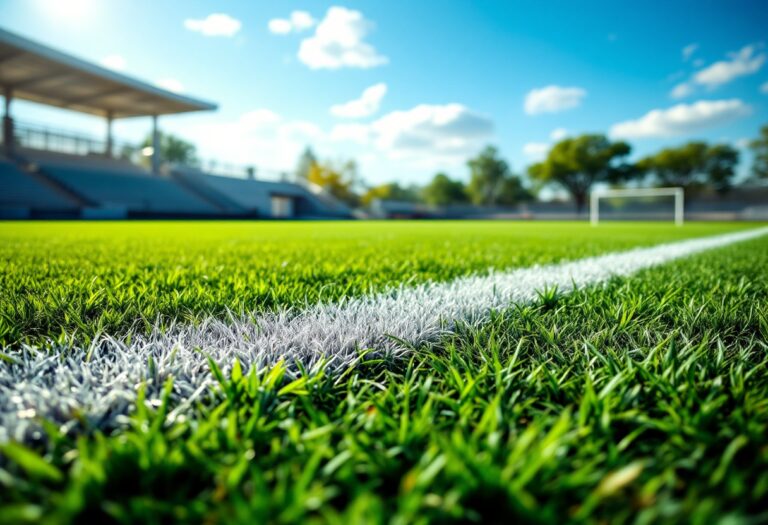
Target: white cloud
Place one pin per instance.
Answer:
(681, 119)
(116, 62)
(536, 150)
(743, 143)
(297, 21)
(423, 138)
(558, 134)
(741, 63)
(689, 50)
(259, 118)
(764, 88)
(365, 106)
(299, 130)
(746, 61)
(171, 84)
(438, 134)
(280, 26)
(682, 90)
(216, 24)
(339, 42)
(357, 133)
(259, 137)
(553, 99)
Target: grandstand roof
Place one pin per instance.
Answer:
(41, 74)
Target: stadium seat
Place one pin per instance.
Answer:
(110, 183)
(255, 196)
(22, 190)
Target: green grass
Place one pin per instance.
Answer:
(78, 279)
(644, 401)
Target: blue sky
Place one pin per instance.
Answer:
(409, 88)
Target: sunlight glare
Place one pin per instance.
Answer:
(68, 11)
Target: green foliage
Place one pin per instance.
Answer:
(75, 280)
(491, 182)
(306, 161)
(340, 180)
(577, 163)
(642, 401)
(443, 190)
(693, 166)
(174, 149)
(513, 191)
(759, 148)
(390, 191)
(722, 160)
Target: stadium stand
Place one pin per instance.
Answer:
(48, 174)
(53, 174)
(262, 198)
(111, 184)
(23, 195)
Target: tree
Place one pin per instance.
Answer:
(759, 148)
(513, 191)
(721, 163)
(693, 166)
(444, 190)
(306, 161)
(174, 149)
(390, 191)
(491, 181)
(339, 180)
(577, 163)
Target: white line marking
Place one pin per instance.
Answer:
(100, 382)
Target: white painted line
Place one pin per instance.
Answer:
(100, 382)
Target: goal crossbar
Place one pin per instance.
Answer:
(677, 193)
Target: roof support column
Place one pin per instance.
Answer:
(9, 137)
(155, 146)
(108, 149)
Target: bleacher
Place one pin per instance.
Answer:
(254, 197)
(47, 184)
(50, 173)
(112, 184)
(21, 194)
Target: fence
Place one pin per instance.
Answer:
(34, 136)
(43, 138)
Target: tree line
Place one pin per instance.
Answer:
(491, 183)
(574, 164)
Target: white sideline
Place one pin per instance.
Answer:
(100, 383)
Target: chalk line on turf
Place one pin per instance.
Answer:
(100, 383)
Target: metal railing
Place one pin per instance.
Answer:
(39, 137)
(244, 171)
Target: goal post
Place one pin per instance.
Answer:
(677, 193)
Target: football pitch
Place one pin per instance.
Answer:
(383, 372)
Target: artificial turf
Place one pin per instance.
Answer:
(641, 401)
(75, 280)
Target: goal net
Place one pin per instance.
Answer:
(628, 203)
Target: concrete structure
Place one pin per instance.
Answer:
(34, 72)
(50, 174)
